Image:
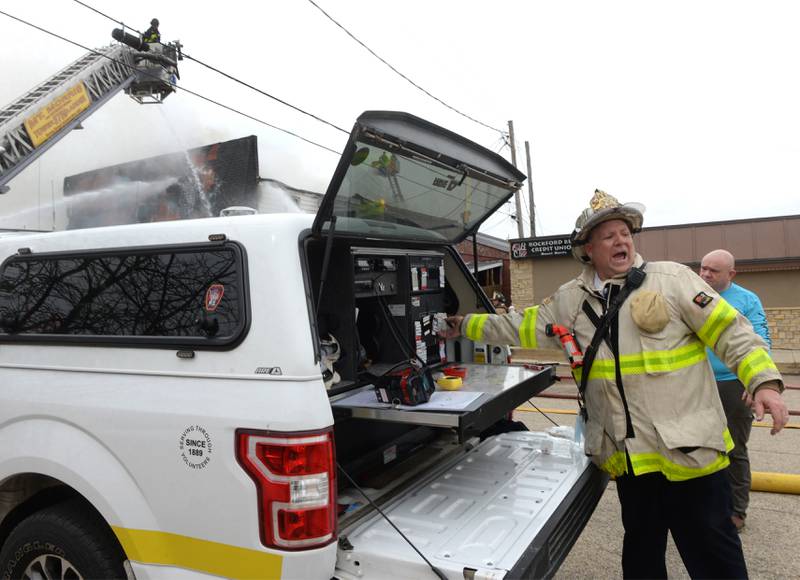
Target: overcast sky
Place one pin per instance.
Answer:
(691, 108)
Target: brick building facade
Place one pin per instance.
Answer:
(494, 269)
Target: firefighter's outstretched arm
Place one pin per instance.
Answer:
(526, 329)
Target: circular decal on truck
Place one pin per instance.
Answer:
(195, 447)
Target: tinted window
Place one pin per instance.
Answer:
(401, 195)
(178, 293)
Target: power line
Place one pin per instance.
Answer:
(500, 143)
(184, 89)
(281, 101)
(39, 28)
(226, 75)
(539, 223)
(491, 223)
(373, 53)
(502, 137)
(139, 32)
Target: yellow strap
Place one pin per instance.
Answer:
(721, 318)
(658, 361)
(754, 363)
(163, 548)
(527, 330)
(474, 330)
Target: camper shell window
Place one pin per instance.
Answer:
(190, 296)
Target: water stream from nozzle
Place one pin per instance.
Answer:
(197, 180)
(196, 175)
(85, 203)
(274, 198)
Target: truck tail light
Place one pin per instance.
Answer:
(295, 475)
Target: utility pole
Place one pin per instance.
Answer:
(530, 190)
(520, 229)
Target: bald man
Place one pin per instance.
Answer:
(718, 270)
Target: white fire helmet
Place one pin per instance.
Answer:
(602, 208)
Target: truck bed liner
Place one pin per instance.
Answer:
(481, 511)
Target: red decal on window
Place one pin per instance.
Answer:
(214, 296)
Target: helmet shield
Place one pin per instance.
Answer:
(603, 208)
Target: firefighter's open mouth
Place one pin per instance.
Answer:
(620, 256)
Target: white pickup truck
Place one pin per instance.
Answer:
(196, 398)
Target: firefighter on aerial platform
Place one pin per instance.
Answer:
(152, 34)
(653, 417)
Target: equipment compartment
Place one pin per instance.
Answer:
(381, 305)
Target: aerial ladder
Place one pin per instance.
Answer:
(37, 120)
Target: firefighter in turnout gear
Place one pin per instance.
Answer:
(152, 34)
(653, 416)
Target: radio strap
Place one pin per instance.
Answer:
(609, 322)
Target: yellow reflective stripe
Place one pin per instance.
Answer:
(657, 361)
(152, 547)
(653, 462)
(474, 329)
(729, 444)
(752, 364)
(642, 463)
(720, 318)
(615, 465)
(527, 330)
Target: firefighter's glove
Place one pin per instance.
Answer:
(649, 311)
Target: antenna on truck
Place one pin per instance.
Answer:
(436, 571)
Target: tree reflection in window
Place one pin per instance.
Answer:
(145, 294)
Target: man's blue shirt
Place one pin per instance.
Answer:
(749, 305)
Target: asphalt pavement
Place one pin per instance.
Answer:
(771, 537)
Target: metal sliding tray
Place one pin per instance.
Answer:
(501, 388)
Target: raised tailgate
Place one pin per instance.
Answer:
(479, 512)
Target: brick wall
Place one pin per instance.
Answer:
(784, 327)
(488, 253)
(522, 284)
(465, 249)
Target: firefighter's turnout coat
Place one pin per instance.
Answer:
(657, 399)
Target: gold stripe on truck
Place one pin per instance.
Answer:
(151, 547)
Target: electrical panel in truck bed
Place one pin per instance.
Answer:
(399, 304)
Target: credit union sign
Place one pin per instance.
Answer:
(549, 247)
